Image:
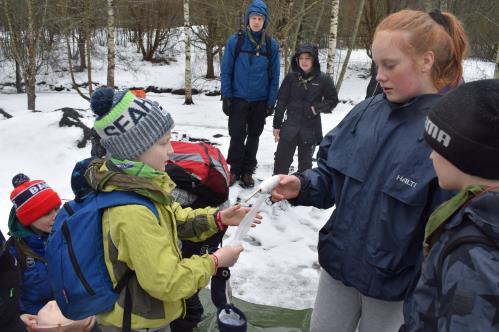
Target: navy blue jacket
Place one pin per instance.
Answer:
(375, 167)
(464, 296)
(248, 77)
(35, 287)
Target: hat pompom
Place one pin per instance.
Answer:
(19, 179)
(101, 101)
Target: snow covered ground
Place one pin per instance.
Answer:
(279, 265)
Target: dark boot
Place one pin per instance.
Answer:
(247, 180)
(233, 178)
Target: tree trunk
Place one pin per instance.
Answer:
(81, 49)
(188, 70)
(318, 22)
(110, 43)
(496, 73)
(427, 5)
(19, 87)
(333, 36)
(444, 6)
(88, 41)
(352, 45)
(210, 70)
(31, 68)
(89, 67)
(298, 27)
(210, 44)
(285, 44)
(71, 71)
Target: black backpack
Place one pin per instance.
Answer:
(465, 233)
(268, 50)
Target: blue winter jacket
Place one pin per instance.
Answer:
(375, 167)
(35, 287)
(247, 76)
(459, 292)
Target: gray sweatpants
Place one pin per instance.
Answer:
(344, 309)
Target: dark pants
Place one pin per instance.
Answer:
(285, 151)
(246, 122)
(194, 308)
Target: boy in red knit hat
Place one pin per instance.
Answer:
(35, 205)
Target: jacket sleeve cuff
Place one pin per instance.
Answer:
(304, 183)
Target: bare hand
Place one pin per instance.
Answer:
(233, 215)
(228, 255)
(288, 188)
(88, 323)
(276, 133)
(30, 321)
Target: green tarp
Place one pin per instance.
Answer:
(260, 317)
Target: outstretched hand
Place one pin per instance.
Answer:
(228, 255)
(233, 215)
(288, 188)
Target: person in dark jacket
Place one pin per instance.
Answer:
(304, 94)
(10, 281)
(374, 168)
(249, 82)
(459, 286)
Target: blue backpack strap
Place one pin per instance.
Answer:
(268, 53)
(117, 198)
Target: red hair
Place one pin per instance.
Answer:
(448, 42)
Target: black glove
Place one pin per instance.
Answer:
(270, 110)
(227, 106)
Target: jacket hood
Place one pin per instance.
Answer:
(101, 175)
(260, 7)
(310, 49)
(484, 213)
(16, 229)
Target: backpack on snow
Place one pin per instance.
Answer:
(201, 169)
(75, 254)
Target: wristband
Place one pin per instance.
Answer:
(218, 220)
(215, 260)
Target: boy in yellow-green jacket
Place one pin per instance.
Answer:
(136, 134)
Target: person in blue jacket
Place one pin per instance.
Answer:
(459, 285)
(35, 205)
(249, 81)
(374, 168)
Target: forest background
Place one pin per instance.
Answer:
(41, 35)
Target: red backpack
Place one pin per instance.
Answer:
(200, 168)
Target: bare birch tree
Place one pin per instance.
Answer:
(333, 36)
(111, 47)
(188, 68)
(352, 45)
(26, 27)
